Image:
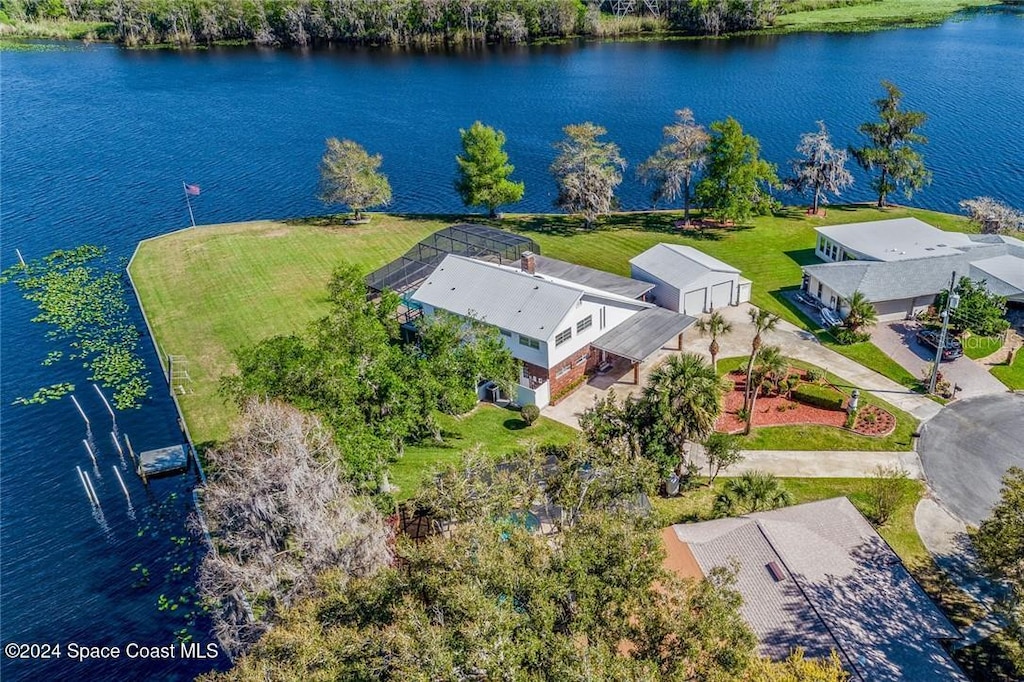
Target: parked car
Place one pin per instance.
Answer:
(930, 339)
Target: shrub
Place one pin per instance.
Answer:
(529, 413)
(819, 396)
(846, 337)
(814, 375)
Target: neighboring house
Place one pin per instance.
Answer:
(560, 327)
(689, 281)
(901, 265)
(818, 576)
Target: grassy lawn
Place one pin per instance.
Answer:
(976, 347)
(798, 437)
(899, 531)
(1011, 375)
(498, 431)
(210, 290)
(867, 15)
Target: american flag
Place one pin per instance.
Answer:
(192, 190)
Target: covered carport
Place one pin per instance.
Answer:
(644, 334)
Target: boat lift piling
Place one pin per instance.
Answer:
(88, 449)
(88, 493)
(113, 417)
(123, 486)
(117, 444)
(81, 412)
(20, 258)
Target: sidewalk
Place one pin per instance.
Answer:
(819, 463)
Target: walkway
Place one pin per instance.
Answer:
(826, 464)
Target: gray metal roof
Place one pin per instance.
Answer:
(591, 277)
(842, 587)
(504, 297)
(1004, 275)
(643, 333)
(679, 265)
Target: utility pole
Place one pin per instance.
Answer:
(952, 301)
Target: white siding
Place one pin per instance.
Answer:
(614, 316)
(536, 356)
(693, 302)
(721, 294)
(540, 396)
(665, 295)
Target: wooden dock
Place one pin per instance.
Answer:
(163, 461)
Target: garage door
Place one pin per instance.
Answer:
(693, 302)
(721, 295)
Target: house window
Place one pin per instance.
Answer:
(563, 336)
(580, 360)
(819, 291)
(562, 371)
(602, 317)
(506, 333)
(528, 342)
(584, 324)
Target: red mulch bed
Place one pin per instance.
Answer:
(776, 410)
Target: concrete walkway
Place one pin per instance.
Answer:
(826, 464)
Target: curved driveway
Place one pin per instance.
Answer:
(968, 447)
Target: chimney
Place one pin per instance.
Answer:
(528, 263)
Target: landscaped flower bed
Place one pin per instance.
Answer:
(781, 410)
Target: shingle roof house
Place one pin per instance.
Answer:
(818, 576)
(901, 265)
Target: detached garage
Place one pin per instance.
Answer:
(689, 281)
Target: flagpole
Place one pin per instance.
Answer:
(188, 201)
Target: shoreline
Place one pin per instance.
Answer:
(866, 18)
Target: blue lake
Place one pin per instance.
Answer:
(96, 142)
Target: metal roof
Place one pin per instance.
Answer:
(679, 265)
(643, 333)
(842, 587)
(591, 277)
(501, 296)
(896, 239)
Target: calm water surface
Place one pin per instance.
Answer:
(96, 142)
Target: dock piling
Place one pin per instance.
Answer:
(117, 444)
(81, 477)
(20, 258)
(123, 486)
(104, 399)
(80, 411)
(88, 449)
(89, 490)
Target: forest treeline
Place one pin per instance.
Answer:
(393, 22)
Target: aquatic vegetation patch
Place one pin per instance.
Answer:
(81, 296)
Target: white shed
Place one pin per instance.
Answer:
(689, 281)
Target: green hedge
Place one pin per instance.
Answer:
(819, 396)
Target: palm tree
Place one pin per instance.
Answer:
(770, 368)
(751, 492)
(861, 313)
(715, 326)
(763, 322)
(685, 395)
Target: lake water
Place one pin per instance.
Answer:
(96, 142)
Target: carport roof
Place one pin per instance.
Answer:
(644, 333)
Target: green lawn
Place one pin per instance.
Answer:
(976, 347)
(496, 430)
(867, 15)
(210, 290)
(1011, 375)
(825, 437)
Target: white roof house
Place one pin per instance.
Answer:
(688, 280)
(556, 327)
(901, 265)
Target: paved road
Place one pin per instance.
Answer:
(968, 447)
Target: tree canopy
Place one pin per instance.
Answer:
(587, 171)
(484, 170)
(674, 167)
(737, 182)
(349, 175)
(979, 311)
(821, 168)
(890, 148)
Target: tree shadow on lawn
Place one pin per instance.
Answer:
(514, 424)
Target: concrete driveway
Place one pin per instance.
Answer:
(896, 339)
(968, 447)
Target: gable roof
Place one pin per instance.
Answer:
(1003, 275)
(841, 586)
(591, 277)
(679, 265)
(896, 239)
(533, 305)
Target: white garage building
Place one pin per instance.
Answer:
(689, 281)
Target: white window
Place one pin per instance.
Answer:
(563, 336)
(580, 360)
(562, 371)
(528, 342)
(584, 324)
(602, 318)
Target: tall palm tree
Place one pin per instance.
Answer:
(685, 395)
(763, 322)
(714, 326)
(861, 314)
(770, 368)
(751, 492)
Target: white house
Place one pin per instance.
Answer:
(555, 326)
(901, 265)
(689, 281)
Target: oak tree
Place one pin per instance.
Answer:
(349, 175)
(738, 181)
(821, 168)
(674, 167)
(587, 171)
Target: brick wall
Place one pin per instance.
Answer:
(578, 364)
